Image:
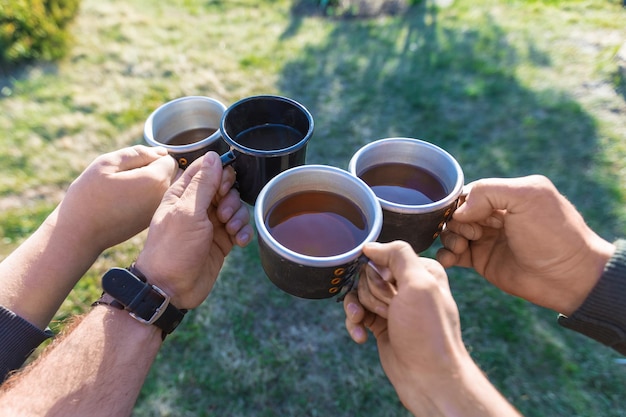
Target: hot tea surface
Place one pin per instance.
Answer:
(404, 184)
(317, 223)
(190, 136)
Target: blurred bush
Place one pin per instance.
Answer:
(34, 29)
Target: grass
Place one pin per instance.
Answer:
(508, 87)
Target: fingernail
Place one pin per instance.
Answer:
(381, 310)
(227, 213)
(357, 334)
(224, 189)
(244, 239)
(353, 309)
(494, 222)
(467, 230)
(210, 158)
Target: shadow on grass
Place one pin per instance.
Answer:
(265, 353)
(454, 88)
(457, 88)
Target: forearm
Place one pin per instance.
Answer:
(38, 275)
(97, 369)
(466, 393)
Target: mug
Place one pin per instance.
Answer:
(267, 135)
(188, 127)
(418, 185)
(312, 223)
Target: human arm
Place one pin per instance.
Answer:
(109, 352)
(416, 323)
(526, 238)
(112, 200)
(96, 369)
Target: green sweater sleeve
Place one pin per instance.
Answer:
(602, 316)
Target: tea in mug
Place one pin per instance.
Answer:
(317, 223)
(190, 136)
(269, 137)
(404, 184)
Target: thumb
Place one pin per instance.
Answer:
(164, 166)
(200, 182)
(134, 157)
(395, 260)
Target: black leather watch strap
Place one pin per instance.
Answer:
(145, 302)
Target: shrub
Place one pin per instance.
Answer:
(34, 29)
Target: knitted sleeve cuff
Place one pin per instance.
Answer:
(18, 339)
(602, 316)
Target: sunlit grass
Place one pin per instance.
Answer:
(509, 88)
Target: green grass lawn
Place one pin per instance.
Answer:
(509, 88)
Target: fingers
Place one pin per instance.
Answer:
(198, 184)
(456, 241)
(447, 258)
(355, 314)
(358, 319)
(236, 217)
(395, 256)
(374, 292)
(495, 194)
(163, 165)
(228, 180)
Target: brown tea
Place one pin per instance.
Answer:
(317, 223)
(404, 184)
(269, 137)
(187, 137)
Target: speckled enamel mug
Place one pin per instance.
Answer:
(417, 224)
(305, 275)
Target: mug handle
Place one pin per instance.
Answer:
(353, 277)
(228, 158)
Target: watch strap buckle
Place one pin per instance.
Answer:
(145, 302)
(158, 312)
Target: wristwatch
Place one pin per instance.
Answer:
(127, 289)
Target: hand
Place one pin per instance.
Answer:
(406, 302)
(409, 309)
(526, 238)
(112, 200)
(192, 231)
(115, 197)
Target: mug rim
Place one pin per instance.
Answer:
(414, 208)
(271, 152)
(148, 130)
(317, 261)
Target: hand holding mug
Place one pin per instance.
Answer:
(191, 233)
(115, 197)
(416, 323)
(527, 239)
